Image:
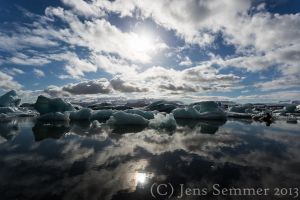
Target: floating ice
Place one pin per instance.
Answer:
(161, 121)
(54, 117)
(290, 108)
(123, 118)
(246, 108)
(146, 114)
(163, 106)
(106, 106)
(101, 115)
(6, 110)
(46, 105)
(83, 114)
(10, 99)
(239, 115)
(200, 110)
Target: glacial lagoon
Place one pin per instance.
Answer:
(87, 160)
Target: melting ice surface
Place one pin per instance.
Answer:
(92, 161)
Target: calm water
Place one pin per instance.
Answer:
(84, 161)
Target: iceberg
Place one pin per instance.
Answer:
(202, 110)
(146, 114)
(101, 115)
(247, 108)
(161, 121)
(106, 106)
(47, 105)
(6, 110)
(241, 111)
(123, 118)
(54, 117)
(83, 114)
(163, 106)
(290, 108)
(10, 99)
(239, 115)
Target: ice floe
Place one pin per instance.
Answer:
(47, 105)
(202, 110)
(123, 118)
(163, 106)
(83, 114)
(102, 115)
(10, 99)
(146, 114)
(161, 121)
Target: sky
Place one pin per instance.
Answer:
(240, 50)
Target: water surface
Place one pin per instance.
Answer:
(88, 161)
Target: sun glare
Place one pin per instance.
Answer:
(142, 43)
(141, 177)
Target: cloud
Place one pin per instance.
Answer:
(99, 35)
(122, 86)
(186, 62)
(274, 96)
(13, 71)
(24, 39)
(83, 8)
(284, 82)
(7, 82)
(194, 20)
(100, 86)
(183, 88)
(38, 73)
(22, 59)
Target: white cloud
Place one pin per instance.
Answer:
(100, 36)
(194, 20)
(38, 73)
(186, 61)
(22, 59)
(13, 71)
(273, 96)
(8, 83)
(84, 8)
(23, 39)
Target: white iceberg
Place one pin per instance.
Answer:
(290, 108)
(101, 115)
(163, 106)
(241, 111)
(47, 105)
(10, 99)
(83, 114)
(161, 121)
(202, 110)
(239, 115)
(6, 110)
(54, 117)
(246, 108)
(146, 114)
(123, 118)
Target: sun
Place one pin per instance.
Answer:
(142, 43)
(141, 177)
